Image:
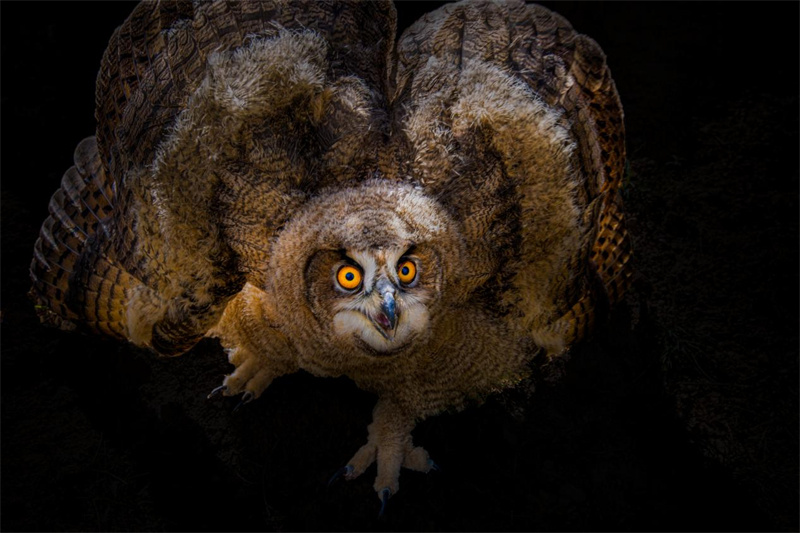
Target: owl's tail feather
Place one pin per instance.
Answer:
(74, 282)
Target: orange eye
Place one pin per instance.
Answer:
(349, 277)
(407, 271)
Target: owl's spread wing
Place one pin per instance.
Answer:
(513, 121)
(73, 282)
(216, 120)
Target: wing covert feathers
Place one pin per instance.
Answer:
(158, 57)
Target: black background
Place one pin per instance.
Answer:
(680, 414)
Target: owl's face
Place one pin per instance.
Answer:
(370, 266)
(374, 279)
(376, 298)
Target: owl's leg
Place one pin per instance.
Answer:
(389, 443)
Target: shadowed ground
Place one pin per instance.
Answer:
(680, 414)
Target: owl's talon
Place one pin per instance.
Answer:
(345, 471)
(434, 466)
(217, 391)
(247, 397)
(385, 494)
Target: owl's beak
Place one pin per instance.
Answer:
(386, 319)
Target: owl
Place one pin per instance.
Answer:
(422, 215)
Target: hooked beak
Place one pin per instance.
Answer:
(385, 320)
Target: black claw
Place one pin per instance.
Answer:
(247, 397)
(434, 466)
(343, 471)
(385, 494)
(218, 390)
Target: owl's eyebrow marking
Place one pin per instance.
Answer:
(410, 251)
(347, 258)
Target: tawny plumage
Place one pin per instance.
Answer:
(422, 217)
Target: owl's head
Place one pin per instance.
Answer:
(366, 269)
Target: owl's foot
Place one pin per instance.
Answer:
(253, 374)
(390, 446)
(390, 460)
(247, 397)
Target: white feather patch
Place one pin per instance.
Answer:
(412, 323)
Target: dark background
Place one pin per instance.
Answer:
(681, 413)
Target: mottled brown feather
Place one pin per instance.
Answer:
(246, 150)
(72, 283)
(568, 72)
(155, 62)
